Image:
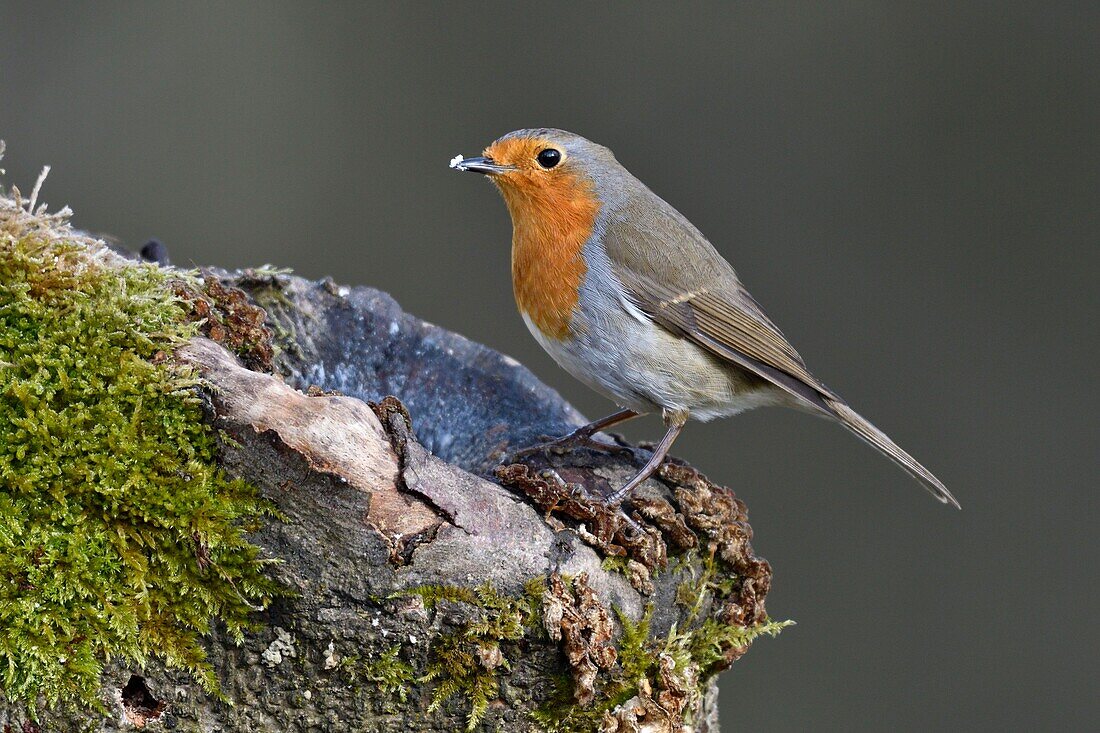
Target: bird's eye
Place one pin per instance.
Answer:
(548, 158)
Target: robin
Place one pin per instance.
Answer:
(631, 299)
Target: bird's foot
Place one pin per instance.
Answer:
(628, 521)
(615, 499)
(650, 468)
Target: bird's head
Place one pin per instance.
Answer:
(554, 184)
(543, 172)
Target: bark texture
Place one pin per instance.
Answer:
(422, 560)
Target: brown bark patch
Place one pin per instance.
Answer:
(576, 616)
(335, 435)
(229, 318)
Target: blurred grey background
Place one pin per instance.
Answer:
(909, 188)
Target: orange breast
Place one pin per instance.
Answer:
(550, 226)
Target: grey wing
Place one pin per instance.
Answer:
(699, 298)
(684, 285)
(727, 330)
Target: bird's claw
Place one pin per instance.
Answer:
(628, 520)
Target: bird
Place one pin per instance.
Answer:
(630, 298)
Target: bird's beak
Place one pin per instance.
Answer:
(479, 164)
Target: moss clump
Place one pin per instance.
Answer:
(392, 675)
(708, 645)
(635, 656)
(119, 537)
(706, 641)
(695, 649)
(469, 661)
(636, 660)
(616, 564)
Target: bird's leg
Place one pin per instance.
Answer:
(582, 436)
(675, 422)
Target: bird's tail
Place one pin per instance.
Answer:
(867, 432)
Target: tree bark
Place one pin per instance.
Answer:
(421, 559)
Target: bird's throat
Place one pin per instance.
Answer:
(549, 228)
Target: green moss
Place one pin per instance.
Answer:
(392, 675)
(119, 537)
(703, 642)
(469, 661)
(615, 564)
(706, 642)
(707, 582)
(707, 645)
(458, 669)
(635, 657)
(561, 714)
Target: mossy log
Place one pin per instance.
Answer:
(428, 579)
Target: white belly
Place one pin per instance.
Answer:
(642, 367)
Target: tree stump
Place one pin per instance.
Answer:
(432, 581)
